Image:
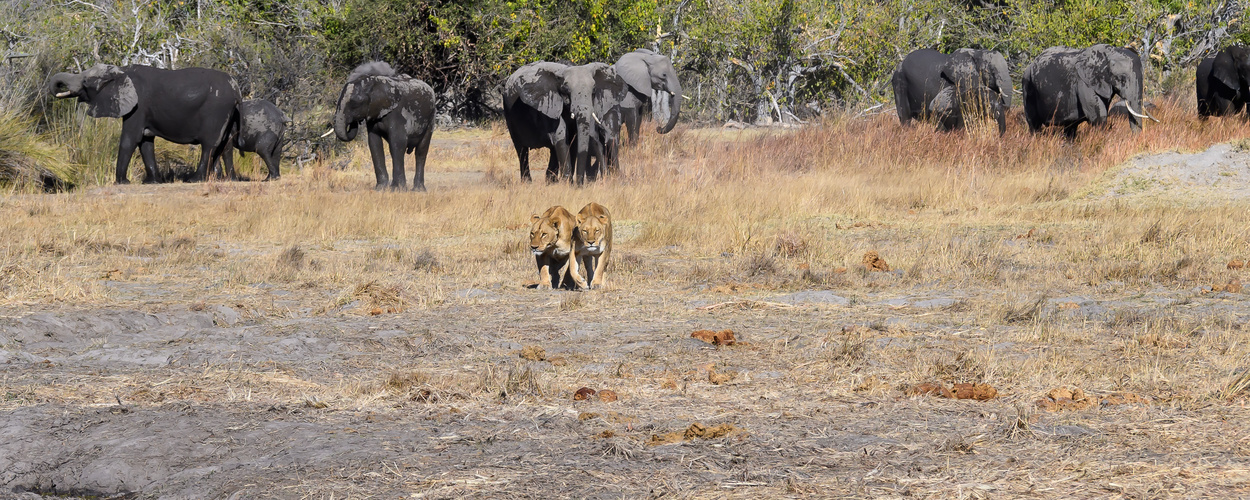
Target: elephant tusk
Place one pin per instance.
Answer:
(686, 97)
(1139, 115)
(596, 117)
(327, 134)
(65, 94)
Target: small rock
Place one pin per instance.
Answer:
(1236, 264)
(584, 416)
(607, 396)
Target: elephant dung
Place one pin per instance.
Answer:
(874, 262)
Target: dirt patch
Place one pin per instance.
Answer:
(1220, 172)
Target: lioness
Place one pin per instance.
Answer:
(553, 236)
(594, 245)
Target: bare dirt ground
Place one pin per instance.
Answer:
(311, 338)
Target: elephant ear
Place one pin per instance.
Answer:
(635, 71)
(1092, 104)
(1096, 72)
(114, 93)
(1224, 69)
(539, 88)
(610, 90)
(381, 91)
(1001, 81)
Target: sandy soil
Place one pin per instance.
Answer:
(296, 390)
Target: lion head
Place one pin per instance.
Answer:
(593, 230)
(543, 234)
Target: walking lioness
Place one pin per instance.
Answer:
(594, 245)
(553, 237)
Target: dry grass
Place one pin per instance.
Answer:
(1036, 287)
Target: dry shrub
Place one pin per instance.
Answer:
(760, 264)
(790, 245)
(1024, 312)
(292, 258)
(379, 296)
(516, 380)
(572, 302)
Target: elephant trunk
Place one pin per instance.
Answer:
(674, 108)
(343, 129)
(1134, 119)
(585, 134)
(63, 85)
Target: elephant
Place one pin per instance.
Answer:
(536, 113)
(394, 107)
(1223, 82)
(930, 85)
(261, 126)
(645, 72)
(1065, 87)
(551, 105)
(605, 124)
(185, 106)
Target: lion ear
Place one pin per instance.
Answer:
(581, 220)
(534, 217)
(603, 218)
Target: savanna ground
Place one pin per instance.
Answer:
(313, 338)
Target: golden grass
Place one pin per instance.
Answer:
(711, 226)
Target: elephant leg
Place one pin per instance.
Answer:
(379, 160)
(601, 157)
(420, 152)
(901, 105)
(125, 151)
(271, 156)
(399, 146)
(559, 157)
(226, 154)
(523, 157)
(147, 151)
(631, 118)
(1069, 131)
(206, 160)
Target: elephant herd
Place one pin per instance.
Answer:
(546, 105)
(577, 112)
(1062, 87)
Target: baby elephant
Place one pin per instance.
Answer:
(261, 125)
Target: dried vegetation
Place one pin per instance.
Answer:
(1080, 341)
